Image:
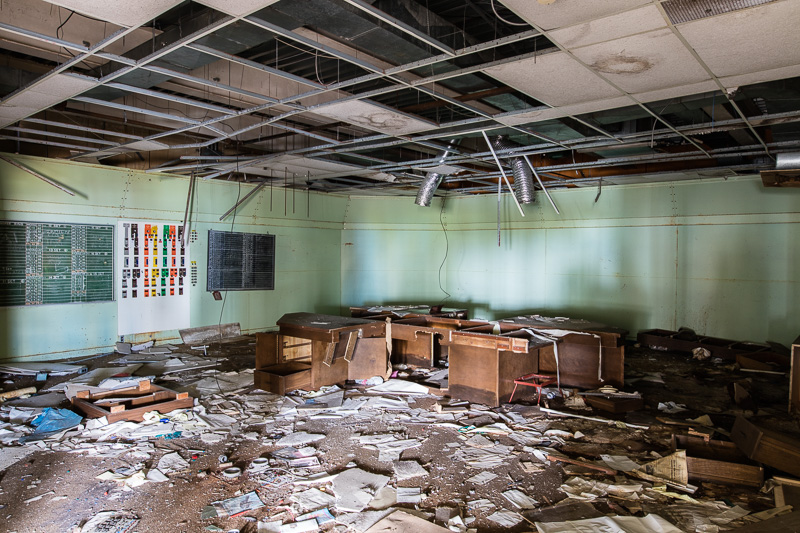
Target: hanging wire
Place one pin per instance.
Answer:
(496, 14)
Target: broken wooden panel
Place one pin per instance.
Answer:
(580, 363)
(130, 403)
(765, 446)
(717, 461)
(284, 377)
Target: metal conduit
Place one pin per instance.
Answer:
(523, 177)
(433, 179)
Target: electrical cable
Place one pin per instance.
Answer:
(496, 14)
(446, 250)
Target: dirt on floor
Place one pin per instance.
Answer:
(71, 492)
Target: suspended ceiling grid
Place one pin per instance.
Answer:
(362, 97)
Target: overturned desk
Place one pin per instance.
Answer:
(313, 350)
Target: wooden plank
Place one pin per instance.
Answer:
(153, 398)
(765, 446)
(794, 381)
(350, 345)
(717, 461)
(562, 459)
(327, 356)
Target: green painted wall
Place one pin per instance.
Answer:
(719, 256)
(308, 248)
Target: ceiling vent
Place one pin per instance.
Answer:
(680, 11)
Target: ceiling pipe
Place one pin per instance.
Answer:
(523, 177)
(433, 179)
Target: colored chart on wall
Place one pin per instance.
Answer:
(45, 263)
(153, 291)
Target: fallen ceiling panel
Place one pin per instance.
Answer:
(565, 111)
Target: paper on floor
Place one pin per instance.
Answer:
(651, 523)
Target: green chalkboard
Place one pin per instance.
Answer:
(44, 263)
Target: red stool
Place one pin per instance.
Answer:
(536, 381)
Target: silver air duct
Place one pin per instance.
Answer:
(433, 179)
(523, 177)
(787, 161)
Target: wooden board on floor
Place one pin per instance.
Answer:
(766, 446)
(131, 403)
(787, 522)
(717, 461)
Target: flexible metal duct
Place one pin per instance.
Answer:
(788, 160)
(433, 179)
(523, 177)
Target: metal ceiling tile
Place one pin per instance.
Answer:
(42, 94)
(562, 13)
(373, 116)
(555, 79)
(564, 111)
(127, 14)
(239, 7)
(608, 28)
(750, 40)
(644, 62)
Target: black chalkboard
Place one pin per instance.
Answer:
(240, 261)
(45, 263)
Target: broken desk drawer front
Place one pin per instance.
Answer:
(766, 446)
(717, 461)
(283, 377)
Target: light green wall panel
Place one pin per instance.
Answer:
(308, 246)
(720, 256)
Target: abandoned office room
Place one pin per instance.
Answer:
(380, 266)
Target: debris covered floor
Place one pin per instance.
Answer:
(344, 459)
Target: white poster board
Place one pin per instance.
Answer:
(153, 286)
